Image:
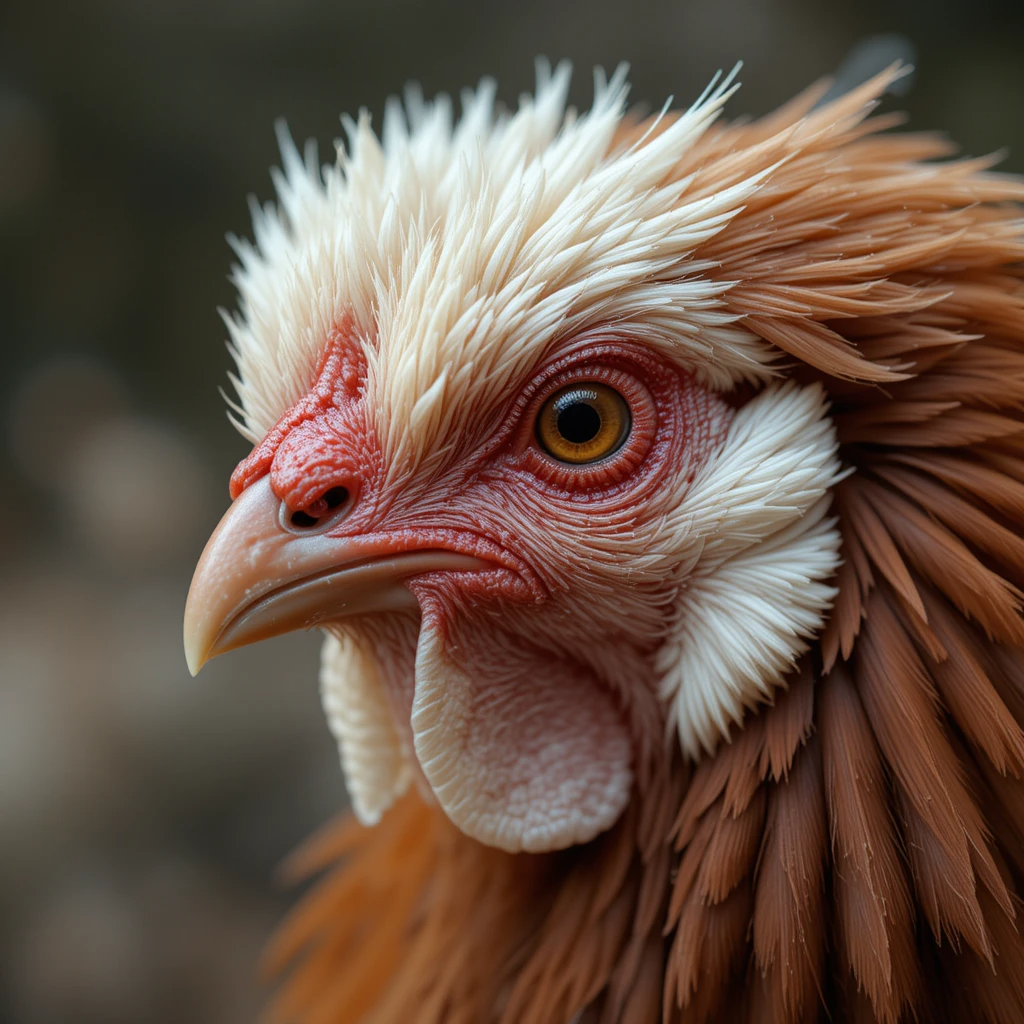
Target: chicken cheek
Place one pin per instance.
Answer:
(523, 751)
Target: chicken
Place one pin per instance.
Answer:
(658, 486)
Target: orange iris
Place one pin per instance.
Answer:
(583, 422)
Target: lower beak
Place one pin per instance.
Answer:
(256, 579)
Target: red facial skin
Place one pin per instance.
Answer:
(305, 449)
(562, 611)
(326, 440)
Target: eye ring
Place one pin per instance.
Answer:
(583, 422)
(586, 479)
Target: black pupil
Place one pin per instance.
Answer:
(579, 422)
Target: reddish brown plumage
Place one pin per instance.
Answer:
(857, 851)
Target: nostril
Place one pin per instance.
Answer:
(316, 511)
(303, 519)
(317, 508)
(335, 497)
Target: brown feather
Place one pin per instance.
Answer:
(972, 479)
(967, 522)
(874, 927)
(709, 943)
(789, 725)
(789, 918)
(942, 558)
(973, 702)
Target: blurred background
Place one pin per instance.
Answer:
(142, 813)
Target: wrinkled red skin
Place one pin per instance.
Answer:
(326, 440)
(303, 450)
(503, 499)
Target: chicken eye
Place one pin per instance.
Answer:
(583, 422)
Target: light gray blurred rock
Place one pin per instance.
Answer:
(870, 57)
(162, 942)
(54, 406)
(83, 957)
(102, 727)
(26, 154)
(58, 779)
(136, 492)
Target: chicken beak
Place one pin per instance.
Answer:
(257, 579)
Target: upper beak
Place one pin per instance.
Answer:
(256, 579)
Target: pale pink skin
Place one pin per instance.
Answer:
(525, 693)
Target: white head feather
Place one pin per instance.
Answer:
(462, 253)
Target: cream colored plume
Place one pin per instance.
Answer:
(462, 252)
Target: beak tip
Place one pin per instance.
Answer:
(197, 653)
(194, 660)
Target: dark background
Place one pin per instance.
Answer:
(142, 812)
